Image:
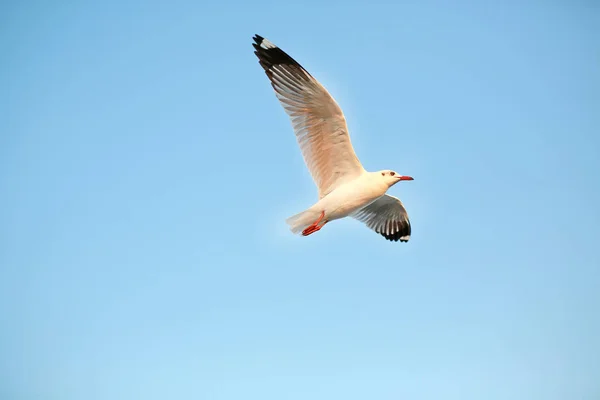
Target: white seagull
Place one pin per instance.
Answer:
(345, 187)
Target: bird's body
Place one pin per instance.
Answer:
(345, 199)
(352, 196)
(345, 187)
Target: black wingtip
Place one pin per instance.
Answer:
(257, 38)
(396, 238)
(270, 55)
(402, 235)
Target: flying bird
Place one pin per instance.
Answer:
(346, 189)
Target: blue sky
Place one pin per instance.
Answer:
(146, 170)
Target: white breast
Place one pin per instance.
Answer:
(351, 196)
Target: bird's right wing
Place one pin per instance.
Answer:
(386, 216)
(318, 121)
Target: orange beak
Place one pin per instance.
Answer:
(405, 178)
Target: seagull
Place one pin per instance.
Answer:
(345, 188)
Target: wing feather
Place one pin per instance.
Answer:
(386, 216)
(317, 120)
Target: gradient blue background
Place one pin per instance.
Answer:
(147, 169)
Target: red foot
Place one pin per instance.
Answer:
(315, 225)
(310, 229)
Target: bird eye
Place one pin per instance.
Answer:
(392, 173)
(383, 174)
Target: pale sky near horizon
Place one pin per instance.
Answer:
(146, 171)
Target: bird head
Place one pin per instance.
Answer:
(392, 177)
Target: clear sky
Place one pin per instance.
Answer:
(146, 171)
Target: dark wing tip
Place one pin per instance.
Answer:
(270, 55)
(402, 234)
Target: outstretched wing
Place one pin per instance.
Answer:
(386, 216)
(318, 121)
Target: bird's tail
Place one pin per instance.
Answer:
(302, 220)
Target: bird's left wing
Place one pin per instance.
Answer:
(318, 121)
(386, 216)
